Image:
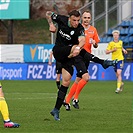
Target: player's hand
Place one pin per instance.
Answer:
(114, 49)
(95, 45)
(76, 51)
(125, 51)
(50, 63)
(48, 14)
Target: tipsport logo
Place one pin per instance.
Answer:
(4, 4)
(39, 53)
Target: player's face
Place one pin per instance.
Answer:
(116, 36)
(86, 18)
(74, 21)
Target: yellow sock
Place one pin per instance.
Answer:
(119, 84)
(4, 108)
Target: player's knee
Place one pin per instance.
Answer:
(66, 82)
(86, 77)
(1, 93)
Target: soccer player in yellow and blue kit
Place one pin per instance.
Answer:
(4, 111)
(116, 48)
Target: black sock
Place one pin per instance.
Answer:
(61, 96)
(97, 60)
(58, 84)
(90, 57)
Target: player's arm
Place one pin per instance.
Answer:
(78, 47)
(124, 51)
(110, 49)
(81, 40)
(52, 27)
(95, 44)
(96, 39)
(50, 58)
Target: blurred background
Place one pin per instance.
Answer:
(25, 36)
(106, 14)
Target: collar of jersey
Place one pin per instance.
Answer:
(69, 24)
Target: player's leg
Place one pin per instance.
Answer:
(82, 72)
(105, 63)
(71, 93)
(118, 70)
(58, 72)
(58, 81)
(5, 112)
(80, 86)
(119, 80)
(61, 55)
(66, 76)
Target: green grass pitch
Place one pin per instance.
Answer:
(101, 110)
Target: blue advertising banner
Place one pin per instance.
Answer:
(93, 71)
(132, 72)
(109, 73)
(13, 71)
(41, 72)
(14, 9)
(47, 72)
(37, 53)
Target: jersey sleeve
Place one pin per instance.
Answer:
(56, 18)
(121, 43)
(96, 36)
(109, 47)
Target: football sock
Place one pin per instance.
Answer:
(4, 109)
(90, 57)
(60, 97)
(71, 92)
(97, 60)
(58, 84)
(80, 86)
(119, 84)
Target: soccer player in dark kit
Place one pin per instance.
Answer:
(69, 41)
(68, 50)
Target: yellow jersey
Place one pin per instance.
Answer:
(118, 53)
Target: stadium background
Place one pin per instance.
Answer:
(28, 82)
(29, 41)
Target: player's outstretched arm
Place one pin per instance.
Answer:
(52, 27)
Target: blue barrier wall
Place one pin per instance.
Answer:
(42, 71)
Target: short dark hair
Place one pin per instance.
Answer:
(74, 13)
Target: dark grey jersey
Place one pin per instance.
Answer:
(66, 35)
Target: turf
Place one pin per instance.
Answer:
(101, 110)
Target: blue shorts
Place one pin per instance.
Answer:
(119, 65)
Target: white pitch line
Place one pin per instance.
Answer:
(32, 96)
(27, 98)
(30, 93)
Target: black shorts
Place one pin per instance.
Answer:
(80, 65)
(58, 67)
(61, 54)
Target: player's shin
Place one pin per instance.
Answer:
(61, 96)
